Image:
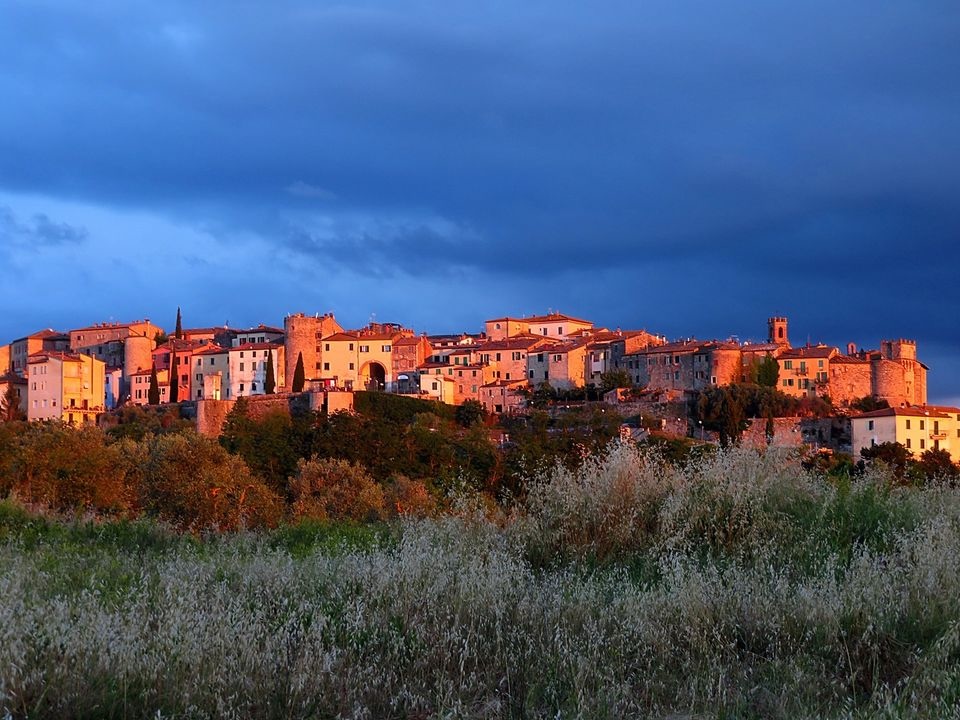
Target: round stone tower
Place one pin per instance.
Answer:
(300, 336)
(137, 355)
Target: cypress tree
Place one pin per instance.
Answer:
(153, 394)
(174, 384)
(178, 333)
(270, 382)
(299, 377)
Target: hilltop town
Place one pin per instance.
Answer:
(78, 375)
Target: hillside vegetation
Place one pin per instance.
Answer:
(740, 585)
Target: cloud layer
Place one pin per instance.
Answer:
(688, 166)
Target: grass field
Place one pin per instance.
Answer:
(740, 587)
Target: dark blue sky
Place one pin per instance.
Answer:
(688, 167)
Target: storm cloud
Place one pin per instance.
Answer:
(687, 166)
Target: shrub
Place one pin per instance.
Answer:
(328, 488)
(193, 483)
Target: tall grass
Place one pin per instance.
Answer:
(739, 587)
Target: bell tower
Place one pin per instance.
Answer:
(777, 331)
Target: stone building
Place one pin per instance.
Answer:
(918, 428)
(303, 335)
(64, 386)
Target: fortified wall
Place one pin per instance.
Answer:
(211, 414)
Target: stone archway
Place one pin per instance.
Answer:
(374, 376)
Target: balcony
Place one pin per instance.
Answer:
(938, 436)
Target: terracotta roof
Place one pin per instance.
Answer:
(514, 343)
(257, 346)
(212, 350)
(414, 340)
(555, 317)
(679, 346)
(503, 383)
(259, 328)
(912, 411)
(849, 360)
(112, 325)
(56, 354)
(761, 347)
(211, 330)
(815, 351)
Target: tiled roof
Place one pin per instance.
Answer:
(555, 317)
(112, 325)
(56, 354)
(257, 346)
(912, 411)
(260, 328)
(814, 351)
(212, 350)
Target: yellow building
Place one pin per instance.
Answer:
(64, 386)
(917, 428)
(359, 360)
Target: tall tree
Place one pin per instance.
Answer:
(174, 378)
(178, 333)
(299, 377)
(10, 405)
(269, 382)
(768, 371)
(153, 394)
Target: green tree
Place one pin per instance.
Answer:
(470, 412)
(153, 394)
(299, 377)
(178, 333)
(10, 405)
(937, 463)
(868, 403)
(613, 379)
(270, 382)
(326, 488)
(174, 379)
(768, 372)
(892, 454)
(193, 483)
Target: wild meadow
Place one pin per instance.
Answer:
(739, 585)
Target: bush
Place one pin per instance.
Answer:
(67, 468)
(192, 483)
(326, 488)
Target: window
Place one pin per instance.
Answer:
(364, 348)
(326, 346)
(788, 364)
(211, 361)
(351, 366)
(539, 357)
(199, 361)
(254, 353)
(923, 443)
(676, 375)
(560, 330)
(241, 387)
(434, 385)
(253, 387)
(350, 347)
(908, 423)
(326, 366)
(498, 357)
(531, 374)
(923, 424)
(518, 356)
(497, 326)
(908, 443)
(714, 379)
(869, 424)
(557, 358)
(241, 367)
(820, 364)
(385, 348)
(199, 377)
(241, 353)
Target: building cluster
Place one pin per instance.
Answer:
(75, 376)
